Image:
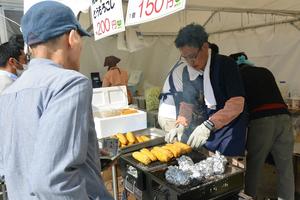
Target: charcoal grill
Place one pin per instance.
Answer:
(148, 182)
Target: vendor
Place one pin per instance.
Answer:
(115, 76)
(213, 104)
(171, 94)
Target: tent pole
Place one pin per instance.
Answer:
(210, 17)
(256, 26)
(244, 10)
(291, 21)
(294, 25)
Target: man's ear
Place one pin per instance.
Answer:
(11, 61)
(74, 38)
(205, 45)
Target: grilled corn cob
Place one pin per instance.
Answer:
(149, 154)
(174, 149)
(186, 148)
(130, 137)
(122, 138)
(145, 138)
(139, 139)
(143, 158)
(160, 156)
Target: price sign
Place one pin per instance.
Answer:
(141, 11)
(107, 17)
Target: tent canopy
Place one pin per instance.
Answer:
(267, 30)
(219, 16)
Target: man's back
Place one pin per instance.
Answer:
(47, 131)
(115, 77)
(260, 87)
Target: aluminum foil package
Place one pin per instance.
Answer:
(196, 174)
(185, 163)
(177, 176)
(219, 163)
(187, 170)
(205, 167)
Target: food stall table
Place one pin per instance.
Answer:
(110, 111)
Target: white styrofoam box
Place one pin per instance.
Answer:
(120, 124)
(106, 98)
(115, 98)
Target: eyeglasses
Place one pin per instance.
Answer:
(191, 58)
(28, 57)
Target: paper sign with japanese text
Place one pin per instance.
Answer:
(107, 17)
(141, 11)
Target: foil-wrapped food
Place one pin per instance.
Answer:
(185, 163)
(177, 176)
(187, 170)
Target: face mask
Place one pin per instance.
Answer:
(20, 71)
(25, 67)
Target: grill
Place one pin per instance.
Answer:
(148, 182)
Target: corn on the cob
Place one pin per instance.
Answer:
(122, 138)
(149, 154)
(143, 158)
(130, 137)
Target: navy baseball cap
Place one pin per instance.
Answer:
(48, 19)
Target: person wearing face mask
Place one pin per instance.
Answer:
(18, 41)
(212, 112)
(12, 60)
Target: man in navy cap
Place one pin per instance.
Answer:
(49, 147)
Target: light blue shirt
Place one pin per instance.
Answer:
(6, 79)
(9, 75)
(49, 148)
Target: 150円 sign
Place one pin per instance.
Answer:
(141, 11)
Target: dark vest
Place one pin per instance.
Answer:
(193, 93)
(231, 139)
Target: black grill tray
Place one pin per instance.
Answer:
(157, 165)
(159, 176)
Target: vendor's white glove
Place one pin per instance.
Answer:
(174, 134)
(200, 135)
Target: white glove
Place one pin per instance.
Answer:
(199, 136)
(174, 134)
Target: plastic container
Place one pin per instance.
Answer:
(108, 103)
(140, 102)
(284, 89)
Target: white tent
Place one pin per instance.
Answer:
(267, 30)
